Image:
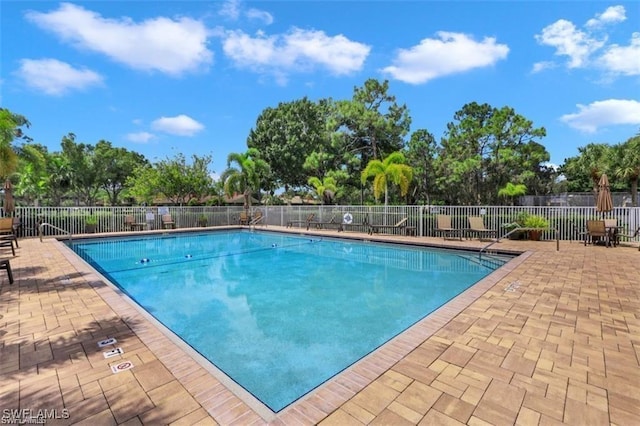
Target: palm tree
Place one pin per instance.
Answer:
(392, 169)
(244, 173)
(593, 161)
(10, 124)
(627, 166)
(511, 191)
(326, 188)
(60, 176)
(9, 130)
(32, 178)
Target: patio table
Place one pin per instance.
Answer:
(612, 235)
(138, 226)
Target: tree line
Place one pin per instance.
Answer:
(354, 151)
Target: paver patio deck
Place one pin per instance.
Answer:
(553, 338)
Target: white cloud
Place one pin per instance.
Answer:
(161, 44)
(623, 59)
(450, 53)
(247, 51)
(260, 15)
(569, 41)
(588, 47)
(230, 9)
(299, 50)
(54, 77)
(613, 14)
(543, 65)
(551, 165)
(140, 137)
(181, 125)
(598, 114)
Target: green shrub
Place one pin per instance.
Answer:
(535, 221)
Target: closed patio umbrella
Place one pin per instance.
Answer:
(604, 203)
(9, 204)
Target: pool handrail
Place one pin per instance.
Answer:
(497, 240)
(54, 227)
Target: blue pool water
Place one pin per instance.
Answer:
(281, 314)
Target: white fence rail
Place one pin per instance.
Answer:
(569, 221)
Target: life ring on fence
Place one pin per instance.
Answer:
(347, 218)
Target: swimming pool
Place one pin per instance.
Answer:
(281, 314)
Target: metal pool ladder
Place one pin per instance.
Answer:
(555, 231)
(43, 224)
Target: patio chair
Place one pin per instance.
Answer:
(257, 218)
(128, 222)
(631, 236)
(168, 222)
(476, 226)
(611, 225)
(6, 265)
(332, 222)
(401, 225)
(310, 219)
(349, 222)
(444, 228)
(596, 232)
(243, 219)
(7, 233)
(17, 227)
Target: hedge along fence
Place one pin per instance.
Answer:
(112, 219)
(569, 221)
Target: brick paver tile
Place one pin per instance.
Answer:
(454, 407)
(340, 418)
(357, 412)
(419, 397)
(516, 362)
(405, 412)
(375, 397)
(527, 417)
(629, 402)
(132, 422)
(388, 417)
(116, 380)
(102, 418)
(622, 417)
(199, 417)
(395, 380)
(87, 408)
(170, 409)
(416, 371)
(458, 355)
(128, 400)
(553, 408)
(500, 403)
(436, 418)
(583, 414)
(152, 375)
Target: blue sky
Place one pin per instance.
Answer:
(165, 77)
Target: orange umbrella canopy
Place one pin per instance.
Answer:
(9, 204)
(603, 202)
